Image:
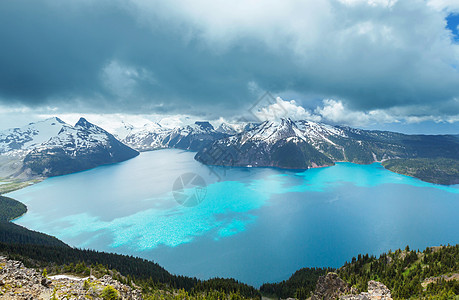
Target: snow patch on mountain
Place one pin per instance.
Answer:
(30, 136)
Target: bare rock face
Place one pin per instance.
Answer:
(330, 287)
(376, 291)
(19, 282)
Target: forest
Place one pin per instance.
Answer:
(405, 271)
(434, 170)
(10, 209)
(299, 285)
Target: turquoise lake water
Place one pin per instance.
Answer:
(253, 224)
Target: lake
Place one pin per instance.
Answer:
(253, 224)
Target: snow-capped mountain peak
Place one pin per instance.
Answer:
(272, 131)
(83, 123)
(153, 126)
(31, 135)
(52, 147)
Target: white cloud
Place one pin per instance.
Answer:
(285, 109)
(442, 5)
(336, 112)
(387, 3)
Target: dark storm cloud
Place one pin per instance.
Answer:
(52, 55)
(141, 56)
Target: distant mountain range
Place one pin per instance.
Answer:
(305, 144)
(52, 147)
(190, 137)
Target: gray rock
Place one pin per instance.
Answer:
(376, 291)
(330, 287)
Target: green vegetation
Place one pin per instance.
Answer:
(408, 274)
(14, 234)
(45, 256)
(299, 285)
(152, 278)
(403, 272)
(109, 293)
(10, 209)
(15, 184)
(435, 170)
(227, 286)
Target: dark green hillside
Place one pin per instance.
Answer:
(299, 285)
(435, 170)
(14, 234)
(10, 209)
(404, 272)
(408, 274)
(149, 275)
(298, 155)
(227, 286)
(11, 233)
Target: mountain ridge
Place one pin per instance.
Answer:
(322, 144)
(52, 147)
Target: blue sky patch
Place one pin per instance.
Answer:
(452, 23)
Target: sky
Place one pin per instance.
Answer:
(379, 64)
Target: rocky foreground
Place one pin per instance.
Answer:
(331, 287)
(19, 282)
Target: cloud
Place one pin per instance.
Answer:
(124, 81)
(442, 5)
(336, 112)
(212, 58)
(285, 109)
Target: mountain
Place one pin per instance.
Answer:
(274, 144)
(191, 137)
(231, 129)
(123, 131)
(28, 137)
(74, 149)
(52, 147)
(305, 144)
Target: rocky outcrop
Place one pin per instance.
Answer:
(330, 287)
(19, 282)
(376, 291)
(449, 277)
